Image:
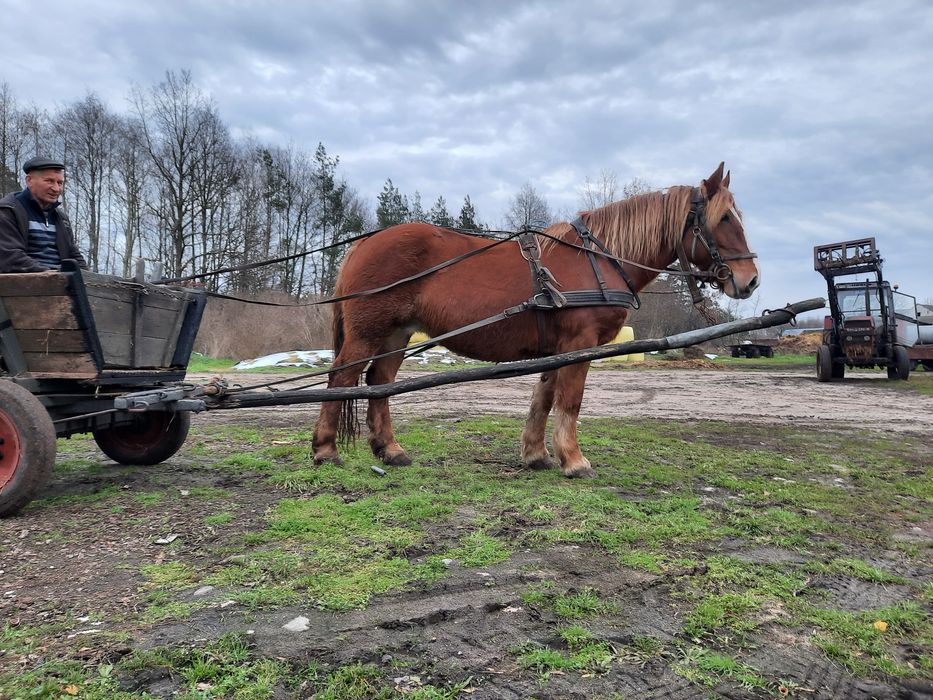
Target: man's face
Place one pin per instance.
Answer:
(46, 185)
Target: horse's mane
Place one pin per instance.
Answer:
(639, 227)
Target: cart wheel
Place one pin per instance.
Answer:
(152, 437)
(900, 369)
(824, 364)
(27, 447)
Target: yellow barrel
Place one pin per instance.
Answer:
(418, 337)
(626, 335)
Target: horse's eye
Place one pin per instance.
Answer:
(725, 219)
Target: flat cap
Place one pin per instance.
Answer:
(40, 163)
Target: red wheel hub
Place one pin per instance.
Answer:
(10, 448)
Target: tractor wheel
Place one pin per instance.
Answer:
(152, 437)
(900, 369)
(839, 370)
(27, 447)
(824, 364)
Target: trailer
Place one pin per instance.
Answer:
(870, 323)
(88, 353)
(71, 343)
(760, 347)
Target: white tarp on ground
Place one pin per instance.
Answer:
(295, 358)
(319, 358)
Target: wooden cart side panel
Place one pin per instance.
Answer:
(78, 323)
(33, 284)
(42, 313)
(50, 341)
(51, 333)
(189, 329)
(135, 333)
(61, 363)
(138, 325)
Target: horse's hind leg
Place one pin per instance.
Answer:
(324, 442)
(569, 396)
(381, 438)
(534, 450)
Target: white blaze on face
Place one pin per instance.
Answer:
(735, 213)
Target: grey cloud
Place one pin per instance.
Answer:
(822, 110)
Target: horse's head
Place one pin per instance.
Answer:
(714, 239)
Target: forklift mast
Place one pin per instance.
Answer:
(859, 256)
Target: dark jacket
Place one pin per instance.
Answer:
(14, 237)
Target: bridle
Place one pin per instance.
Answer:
(718, 272)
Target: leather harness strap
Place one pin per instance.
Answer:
(545, 294)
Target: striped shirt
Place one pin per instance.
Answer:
(43, 245)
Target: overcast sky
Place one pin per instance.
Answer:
(823, 111)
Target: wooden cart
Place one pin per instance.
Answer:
(71, 344)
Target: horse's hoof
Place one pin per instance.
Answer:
(540, 464)
(328, 459)
(398, 459)
(586, 472)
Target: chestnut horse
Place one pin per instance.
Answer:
(647, 230)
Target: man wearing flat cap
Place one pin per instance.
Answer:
(35, 233)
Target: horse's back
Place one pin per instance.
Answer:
(398, 252)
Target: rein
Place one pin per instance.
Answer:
(374, 290)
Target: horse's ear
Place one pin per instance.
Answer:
(725, 180)
(712, 184)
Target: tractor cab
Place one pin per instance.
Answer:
(862, 327)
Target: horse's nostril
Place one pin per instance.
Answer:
(753, 283)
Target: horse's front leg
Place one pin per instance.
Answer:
(534, 450)
(568, 398)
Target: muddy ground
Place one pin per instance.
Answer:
(462, 626)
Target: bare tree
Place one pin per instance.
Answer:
(89, 131)
(173, 115)
(214, 171)
(528, 209)
(130, 174)
(12, 139)
(600, 191)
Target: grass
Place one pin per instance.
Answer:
(670, 498)
(584, 653)
(570, 605)
(779, 361)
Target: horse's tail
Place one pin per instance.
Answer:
(348, 425)
(336, 328)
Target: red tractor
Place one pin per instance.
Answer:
(870, 324)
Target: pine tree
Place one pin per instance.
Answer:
(330, 215)
(439, 215)
(393, 206)
(467, 218)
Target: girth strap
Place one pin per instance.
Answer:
(544, 291)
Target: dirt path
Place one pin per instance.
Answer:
(868, 400)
